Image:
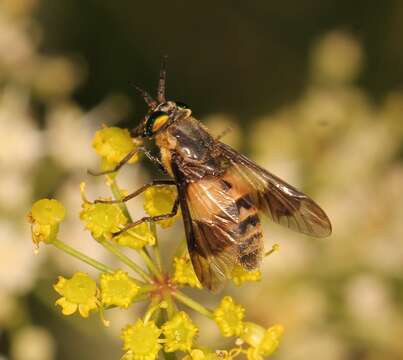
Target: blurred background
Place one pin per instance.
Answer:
(312, 90)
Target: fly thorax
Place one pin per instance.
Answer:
(192, 141)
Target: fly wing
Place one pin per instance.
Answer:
(208, 213)
(280, 201)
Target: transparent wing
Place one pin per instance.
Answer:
(280, 201)
(208, 214)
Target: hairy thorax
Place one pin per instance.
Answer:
(188, 144)
(167, 144)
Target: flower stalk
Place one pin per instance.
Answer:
(125, 259)
(194, 305)
(79, 255)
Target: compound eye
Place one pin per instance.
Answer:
(154, 122)
(181, 105)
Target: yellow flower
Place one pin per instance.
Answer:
(141, 341)
(48, 211)
(179, 333)
(136, 237)
(262, 342)
(113, 144)
(160, 200)
(102, 219)
(184, 273)
(117, 289)
(239, 275)
(45, 216)
(202, 354)
(79, 292)
(228, 317)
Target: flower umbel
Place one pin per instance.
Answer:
(228, 317)
(79, 292)
(179, 333)
(163, 328)
(141, 341)
(117, 289)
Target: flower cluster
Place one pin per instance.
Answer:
(164, 326)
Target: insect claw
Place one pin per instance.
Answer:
(99, 173)
(93, 173)
(115, 234)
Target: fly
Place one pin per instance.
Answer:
(221, 192)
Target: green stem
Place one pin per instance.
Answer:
(146, 288)
(150, 264)
(157, 252)
(169, 355)
(144, 253)
(171, 309)
(152, 308)
(114, 250)
(186, 300)
(117, 195)
(79, 255)
(179, 251)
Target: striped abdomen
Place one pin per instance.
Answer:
(226, 222)
(248, 230)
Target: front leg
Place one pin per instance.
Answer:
(126, 159)
(173, 212)
(138, 191)
(119, 165)
(155, 160)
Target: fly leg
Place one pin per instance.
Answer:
(138, 191)
(155, 160)
(119, 165)
(122, 162)
(173, 212)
